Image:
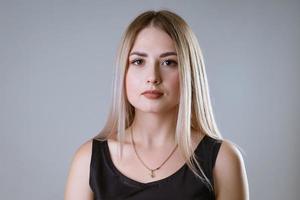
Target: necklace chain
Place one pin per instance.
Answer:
(151, 170)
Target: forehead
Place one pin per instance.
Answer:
(153, 39)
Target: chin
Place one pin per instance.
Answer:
(156, 109)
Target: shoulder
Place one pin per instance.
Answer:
(85, 149)
(228, 151)
(229, 173)
(82, 156)
(77, 186)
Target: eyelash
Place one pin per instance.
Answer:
(169, 60)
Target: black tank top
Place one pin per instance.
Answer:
(108, 183)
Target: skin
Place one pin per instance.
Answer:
(155, 140)
(143, 71)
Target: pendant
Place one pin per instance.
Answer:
(152, 174)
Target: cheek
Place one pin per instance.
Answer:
(127, 84)
(131, 83)
(174, 82)
(176, 85)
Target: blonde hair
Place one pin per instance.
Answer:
(195, 111)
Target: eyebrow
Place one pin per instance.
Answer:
(161, 55)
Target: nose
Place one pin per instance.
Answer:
(154, 75)
(154, 82)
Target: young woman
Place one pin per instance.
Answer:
(160, 140)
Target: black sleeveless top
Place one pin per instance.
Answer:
(108, 183)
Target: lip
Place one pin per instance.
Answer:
(152, 94)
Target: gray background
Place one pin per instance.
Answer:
(56, 68)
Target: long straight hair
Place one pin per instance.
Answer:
(195, 111)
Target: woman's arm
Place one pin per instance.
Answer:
(230, 179)
(77, 187)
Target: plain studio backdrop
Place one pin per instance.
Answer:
(56, 70)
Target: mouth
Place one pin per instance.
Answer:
(152, 94)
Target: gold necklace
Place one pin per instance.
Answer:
(151, 170)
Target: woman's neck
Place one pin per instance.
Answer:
(153, 130)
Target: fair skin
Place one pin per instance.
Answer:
(154, 141)
(148, 64)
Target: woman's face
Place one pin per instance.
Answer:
(153, 66)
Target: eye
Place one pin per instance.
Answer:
(137, 61)
(170, 62)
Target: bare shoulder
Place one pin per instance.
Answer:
(229, 152)
(84, 151)
(82, 156)
(77, 186)
(230, 174)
